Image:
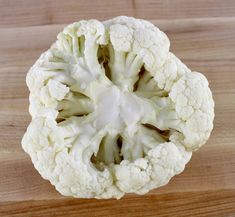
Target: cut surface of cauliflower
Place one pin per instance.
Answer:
(113, 110)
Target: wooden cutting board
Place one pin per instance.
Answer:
(202, 34)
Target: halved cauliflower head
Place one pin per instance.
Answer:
(113, 111)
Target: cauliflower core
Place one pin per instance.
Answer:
(113, 111)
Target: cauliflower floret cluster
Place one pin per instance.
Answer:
(113, 110)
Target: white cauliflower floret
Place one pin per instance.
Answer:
(132, 177)
(194, 108)
(63, 163)
(140, 42)
(155, 170)
(170, 72)
(113, 111)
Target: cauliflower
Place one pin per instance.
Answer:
(113, 110)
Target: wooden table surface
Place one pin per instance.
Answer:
(202, 34)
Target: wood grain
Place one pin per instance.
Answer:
(44, 12)
(196, 204)
(201, 34)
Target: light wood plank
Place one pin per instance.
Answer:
(196, 204)
(44, 12)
